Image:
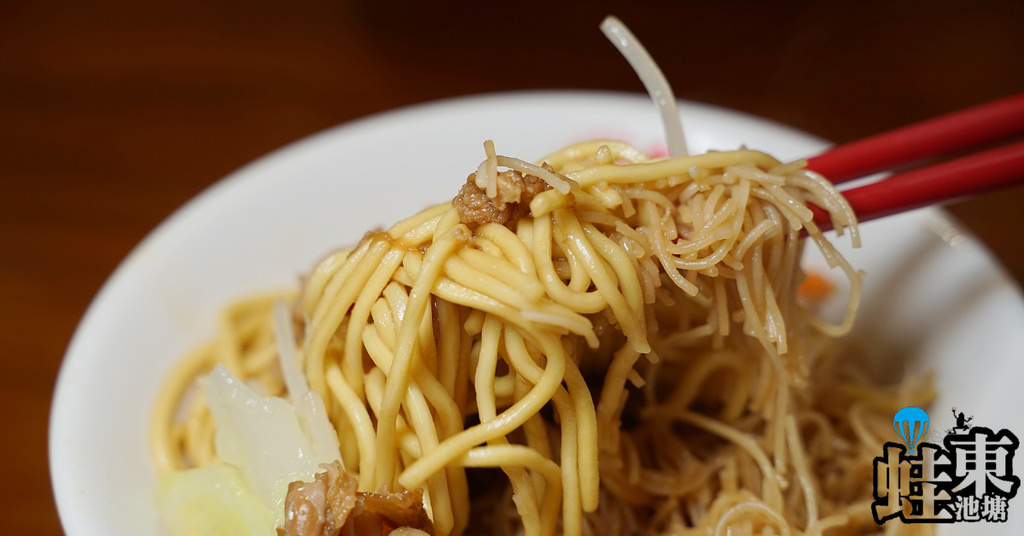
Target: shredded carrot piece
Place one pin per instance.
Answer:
(815, 288)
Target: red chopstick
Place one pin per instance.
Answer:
(965, 176)
(968, 175)
(959, 130)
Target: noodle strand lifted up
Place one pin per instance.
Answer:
(620, 336)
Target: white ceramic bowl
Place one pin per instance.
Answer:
(934, 296)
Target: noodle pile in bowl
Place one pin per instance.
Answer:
(600, 344)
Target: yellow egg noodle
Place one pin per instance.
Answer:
(630, 351)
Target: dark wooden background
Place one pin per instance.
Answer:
(113, 114)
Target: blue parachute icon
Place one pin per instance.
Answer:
(911, 423)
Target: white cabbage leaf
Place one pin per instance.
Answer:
(211, 501)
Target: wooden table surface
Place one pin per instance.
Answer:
(114, 114)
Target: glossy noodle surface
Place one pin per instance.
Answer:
(595, 343)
